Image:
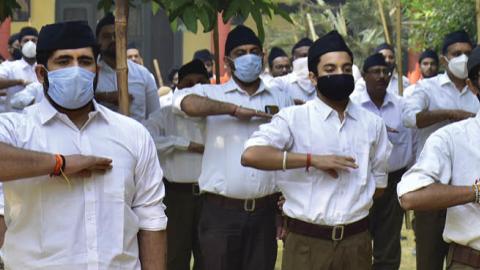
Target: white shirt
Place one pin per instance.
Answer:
(166, 100)
(391, 113)
(141, 86)
(314, 127)
(451, 156)
(172, 135)
(15, 70)
(437, 93)
(31, 94)
(93, 223)
(297, 88)
(222, 172)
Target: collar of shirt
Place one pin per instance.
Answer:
(364, 98)
(443, 80)
(232, 86)
(48, 112)
(325, 110)
(25, 65)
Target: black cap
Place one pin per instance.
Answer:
(473, 63)
(241, 35)
(304, 42)
(195, 66)
(108, 19)
(27, 31)
(274, 53)
(455, 37)
(384, 46)
(428, 53)
(203, 55)
(331, 42)
(376, 59)
(65, 35)
(132, 45)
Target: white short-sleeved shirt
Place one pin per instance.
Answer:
(222, 172)
(92, 224)
(437, 93)
(315, 128)
(141, 86)
(451, 156)
(401, 137)
(15, 70)
(172, 134)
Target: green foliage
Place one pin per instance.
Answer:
(430, 20)
(6, 8)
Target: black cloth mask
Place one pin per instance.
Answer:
(336, 87)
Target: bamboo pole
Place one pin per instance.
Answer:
(156, 67)
(311, 28)
(121, 22)
(399, 46)
(384, 22)
(477, 5)
(216, 48)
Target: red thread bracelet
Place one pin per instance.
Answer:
(59, 162)
(309, 161)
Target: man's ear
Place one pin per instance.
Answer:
(443, 60)
(473, 87)
(41, 73)
(313, 78)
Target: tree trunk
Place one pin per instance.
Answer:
(121, 22)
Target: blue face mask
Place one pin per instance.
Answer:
(71, 88)
(248, 67)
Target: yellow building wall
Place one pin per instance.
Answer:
(193, 42)
(41, 12)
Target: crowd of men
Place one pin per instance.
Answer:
(307, 148)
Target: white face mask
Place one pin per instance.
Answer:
(29, 49)
(72, 87)
(458, 66)
(300, 67)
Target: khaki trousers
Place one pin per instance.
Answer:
(308, 253)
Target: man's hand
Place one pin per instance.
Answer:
(3, 92)
(196, 148)
(298, 101)
(85, 165)
(331, 164)
(247, 114)
(458, 115)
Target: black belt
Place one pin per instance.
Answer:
(182, 187)
(465, 255)
(248, 205)
(334, 233)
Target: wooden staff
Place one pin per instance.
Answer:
(216, 53)
(121, 22)
(158, 73)
(384, 22)
(399, 47)
(311, 28)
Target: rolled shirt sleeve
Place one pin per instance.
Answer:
(433, 165)
(381, 154)
(417, 102)
(277, 134)
(150, 191)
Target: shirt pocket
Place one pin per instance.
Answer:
(118, 182)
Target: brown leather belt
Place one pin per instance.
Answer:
(334, 233)
(248, 205)
(182, 187)
(465, 255)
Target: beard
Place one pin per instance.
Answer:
(110, 51)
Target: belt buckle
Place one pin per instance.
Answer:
(249, 207)
(195, 189)
(335, 236)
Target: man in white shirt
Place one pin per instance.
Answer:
(446, 177)
(15, 75)
(429, 64)
(437, 102)
(141, 84)
(297, 84)
(278, 65)
(389, 53)
(90, 220)
(335, 156)
(237, 223)
(180, 146)
(386, 215)
(133, 54)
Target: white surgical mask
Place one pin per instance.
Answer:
(72, 87)
(248, 67)
(458, 66)
(300, 67)
(29, 49)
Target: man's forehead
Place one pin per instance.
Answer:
(459, 46)
(246, 47)
(87, 51)
(335, 58)
(110, 28)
